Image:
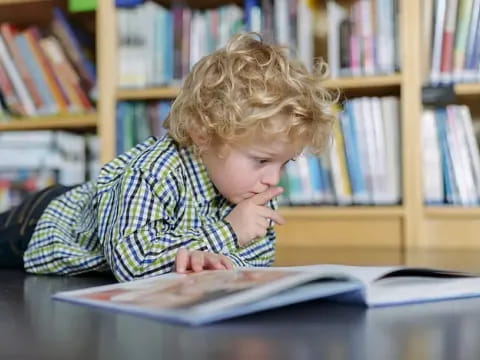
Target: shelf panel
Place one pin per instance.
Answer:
(351, 83)
(292, 255)
(452, 211)
(365, 82)
(322, 212)
(149, 93)
(13, 2)
(467, 89)
(344, 228)
(59, 122)
(457, 230)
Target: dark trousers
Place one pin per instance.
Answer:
(18, 224)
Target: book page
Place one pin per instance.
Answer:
(411, 289)
(366, 274)
(186, 292)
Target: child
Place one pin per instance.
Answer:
(203, 196)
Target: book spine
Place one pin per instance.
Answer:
(441, 6)
(7, 31)
(66, 75)
(8, 93)
(448, 42)
(463, 22)
(32, 36)
(473, 39)
(63, 29)
(20, 89)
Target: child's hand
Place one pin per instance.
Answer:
(196, 261)
(250, 219)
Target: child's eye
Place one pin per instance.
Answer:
(262, 161)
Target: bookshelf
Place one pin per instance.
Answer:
(39, 12)
(59, 122)
(377, 84)
(327, 226)
(145, 94)
(371, 82)
(467, 89)
(407, 226)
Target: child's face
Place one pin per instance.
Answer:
(248, 169)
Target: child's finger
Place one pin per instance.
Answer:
(197, 261)
(272, 215)
(212, 262)
(267, 195)
(226, 262)
(181, 260)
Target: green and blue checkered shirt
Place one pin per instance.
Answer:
(144, 206)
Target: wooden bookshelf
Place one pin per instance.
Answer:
(407, 226)
(452, 212)
(147, 94)
(365, 82)
(348, 83)
(387, 227)
(13, 2)
(467, 89)
(59, 122)
(325, 212)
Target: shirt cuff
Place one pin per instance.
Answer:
(221, 237)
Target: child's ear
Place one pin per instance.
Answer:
(199, 138)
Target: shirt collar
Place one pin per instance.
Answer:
(197, 174)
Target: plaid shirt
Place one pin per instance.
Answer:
(145, 205)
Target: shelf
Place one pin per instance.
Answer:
(467, 89)
(452, 212)
(13, 2)
(59, 122)
(341, 211)
(358, 82)
(149, 93)
(351, 83)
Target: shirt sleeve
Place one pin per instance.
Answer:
(140, 227)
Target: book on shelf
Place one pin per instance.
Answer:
(362, 38)
(362, 164)
(451, 160)
(45, 71)
(158, 46)
(33, 160)
(205, 297)
(451, 42)
(135, 121)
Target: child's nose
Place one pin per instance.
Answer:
(271, 178)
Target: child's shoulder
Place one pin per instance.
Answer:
(154, 157)
(160, 157)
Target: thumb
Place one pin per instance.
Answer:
(263, 197)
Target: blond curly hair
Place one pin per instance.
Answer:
(232, 94)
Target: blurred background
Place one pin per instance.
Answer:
(82, 81)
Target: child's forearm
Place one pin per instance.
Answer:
(150, 251)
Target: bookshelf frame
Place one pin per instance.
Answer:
(58, 122)
(407, 226)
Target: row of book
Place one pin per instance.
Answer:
(32, 160)
(363, 37)
(451, 160)
(159, 46)
(451, 40)
(45, 71)
(361, 165)
(137, 120)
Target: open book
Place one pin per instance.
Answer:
(209, 296)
